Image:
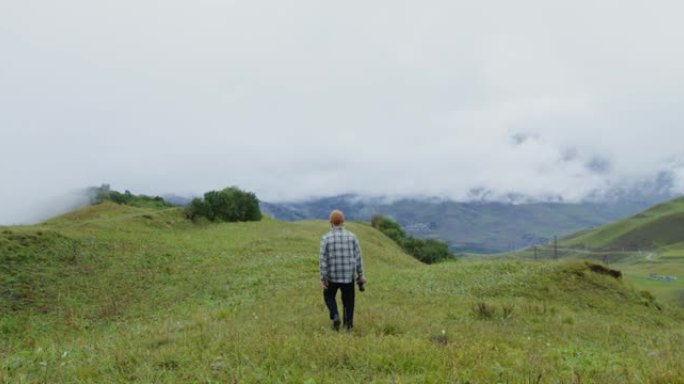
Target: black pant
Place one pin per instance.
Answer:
(347, 301)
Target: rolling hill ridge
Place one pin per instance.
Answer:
(652, 229)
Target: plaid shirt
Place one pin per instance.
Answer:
(340, 256)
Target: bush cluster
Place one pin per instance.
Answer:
(428, 251)
(105, 193)
(229, 204)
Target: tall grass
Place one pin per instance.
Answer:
(143, 296)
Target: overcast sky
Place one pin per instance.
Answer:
(295, 99)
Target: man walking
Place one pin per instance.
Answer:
(340, 263)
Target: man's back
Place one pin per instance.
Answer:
(340, 256)
(340, 261)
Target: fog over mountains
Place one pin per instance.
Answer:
(482, 224)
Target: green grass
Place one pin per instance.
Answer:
(646, 244)
(124, 294)
(651, 243)
(657, 227)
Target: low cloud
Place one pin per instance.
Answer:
(306, 99)
(30, 208)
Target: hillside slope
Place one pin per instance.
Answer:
(657, 227)
(648, 247)
(122, 294)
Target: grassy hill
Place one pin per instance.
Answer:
(648, 247)
(123, 294)
(657, 227)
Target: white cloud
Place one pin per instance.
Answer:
(297, 99)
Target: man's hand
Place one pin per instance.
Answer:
(361, 280)
(324, 283)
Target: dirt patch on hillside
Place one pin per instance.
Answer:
(598, 268)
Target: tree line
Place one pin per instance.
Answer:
(228, 204)
(426, 250)
(98, 195)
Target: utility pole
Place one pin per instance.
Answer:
(555, 247)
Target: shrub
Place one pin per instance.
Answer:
(229, 204)
(196, 209)
(428, 251)
(389, 227)
(105, 193)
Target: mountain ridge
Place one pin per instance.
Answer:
(474, 227)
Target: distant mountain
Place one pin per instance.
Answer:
(477, 227)
(177, 200)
